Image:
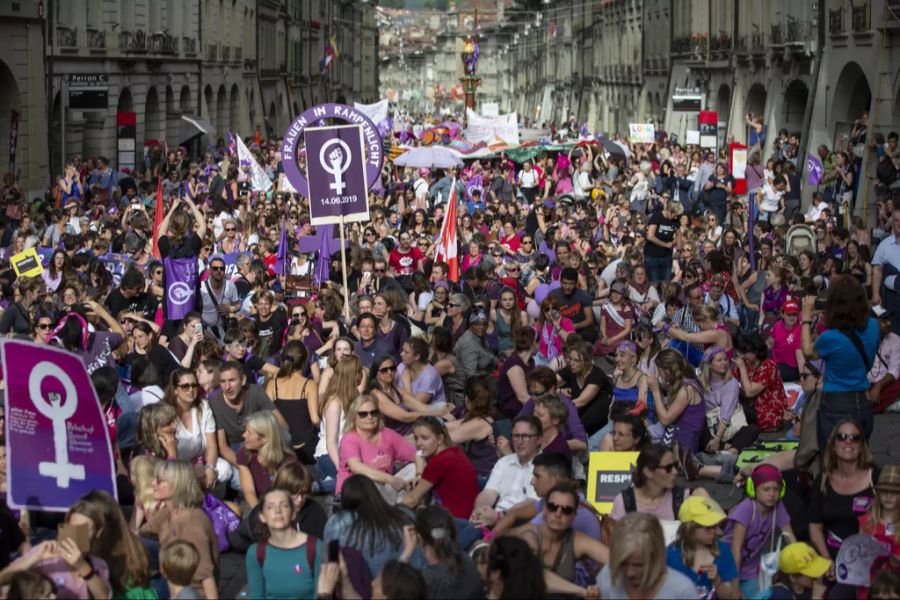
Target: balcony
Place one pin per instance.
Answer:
(189, 45)
(720, 44)
(699, 45)
(681, 45)
(758, 43)
(225, 55)
(67, 37)
(836, 22)
(249, 64)
(96, 39)
(798, 32)
(778, 34)
(133, 41)
(163, 43)
(212, 52)
(238, 55)
(860, 18)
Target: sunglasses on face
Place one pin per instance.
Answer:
(365, 414)
(849, 437)
(229, 229)
(388, 369)
(188, 386)
(379, 270)
(217, 268)
(667, 468)
(43, 326)
(566, 509)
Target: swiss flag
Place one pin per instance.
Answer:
(446, 250)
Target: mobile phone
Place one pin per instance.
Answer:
(554, 314)
(334, 551)
(198, 328)
(77, 533)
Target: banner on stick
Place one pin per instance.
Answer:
(181, 286)
(490, 129)
(58, 444)
(641, 133)
(335, 159)
(608, 474)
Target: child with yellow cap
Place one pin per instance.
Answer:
(800, 570)
(698, 553)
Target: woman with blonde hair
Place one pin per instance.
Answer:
(143, 471)
(263, 452)
(637, 563)
(333, 407)
(369, 448)
(182, 518)
(712, 333)
(727, 426)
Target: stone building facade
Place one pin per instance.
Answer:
(228, 64)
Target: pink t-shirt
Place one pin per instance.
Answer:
(390, 448)
(787, 342)
(550, 344)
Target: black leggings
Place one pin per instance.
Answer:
(745, 436)
(595, 415)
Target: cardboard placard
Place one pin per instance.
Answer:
(27, 263)
(608, 474)
(642, 133)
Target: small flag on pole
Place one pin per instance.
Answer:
(446, 250)
(281, 257)
(157, 217)
(331, 53)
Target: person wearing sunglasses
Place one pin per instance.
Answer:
(653, 489)
(845, 485)
(369, 448)
(219, 298)
(42, 328)
(556, 530)
(195, 428)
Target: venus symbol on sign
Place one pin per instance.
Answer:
(58, 410)
(335, 163)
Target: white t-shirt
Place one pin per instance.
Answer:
(321, 446)
(771, 198)
(228, 295)
(192, 442)
(512, 481)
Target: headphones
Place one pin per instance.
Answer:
(750, 488)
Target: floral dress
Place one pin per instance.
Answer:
(771, 403)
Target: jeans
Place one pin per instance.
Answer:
(659, 269)
(329, 474)
(235, 482)
(838, 406)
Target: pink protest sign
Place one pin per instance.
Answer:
(58, 446)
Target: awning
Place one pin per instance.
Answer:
(192, 126)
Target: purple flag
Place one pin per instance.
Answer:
(181, 286)
(475, 183)
(322, 272)
(815, 169)
(281, 257)
(116, 264)
(58, 443)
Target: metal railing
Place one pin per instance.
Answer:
(133, 41)
(212, 52)
(238, 54)
(225, 54)
(163, 43)
(189, 45)
(67, 37)
(96, 39)
(778, 34)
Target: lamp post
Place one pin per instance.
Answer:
(469, 80)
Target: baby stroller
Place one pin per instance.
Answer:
(798, 239)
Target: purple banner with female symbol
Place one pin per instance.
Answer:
(181, 286)
(58, 444)
(336, 163)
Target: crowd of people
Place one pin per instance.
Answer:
(430, 437)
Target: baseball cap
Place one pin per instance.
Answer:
(702, 511)
(791, 306)
(800, 557)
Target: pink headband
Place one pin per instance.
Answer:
(711, 352)
(84, 328)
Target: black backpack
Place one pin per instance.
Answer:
(630, 502)
(886, 172)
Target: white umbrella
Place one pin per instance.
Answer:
(429, 157)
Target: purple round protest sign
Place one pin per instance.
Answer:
(341, 112)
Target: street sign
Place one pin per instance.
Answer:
(57, 438)
(88, 91)
(336, 163)
(126, 131)
(709, 129)
(686, 99)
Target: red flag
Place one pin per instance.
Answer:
(447, 244)
(158, 217)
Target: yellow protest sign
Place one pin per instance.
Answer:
(27, 263)
(608, 474)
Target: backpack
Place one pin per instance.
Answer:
(886, 172)
(630, 501)
(311, 543)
